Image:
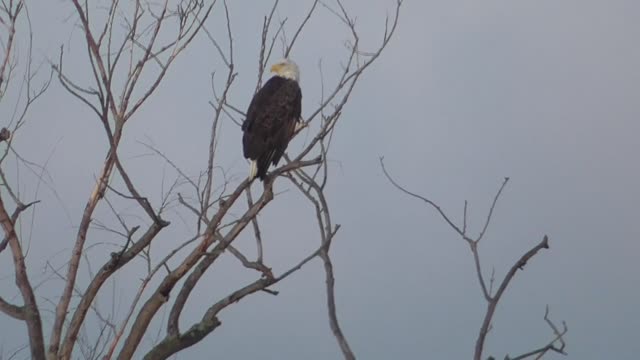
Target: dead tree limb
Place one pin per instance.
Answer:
(491, 299)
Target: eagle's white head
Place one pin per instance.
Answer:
(287, 69)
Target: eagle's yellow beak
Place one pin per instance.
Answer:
(276, 68)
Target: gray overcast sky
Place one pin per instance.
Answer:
(545, 92)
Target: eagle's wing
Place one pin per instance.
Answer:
(260, 101)
(260, 119)
(291, 115)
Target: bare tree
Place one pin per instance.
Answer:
(557, 343)
(131, 46)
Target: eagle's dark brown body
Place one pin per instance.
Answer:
(271, 121)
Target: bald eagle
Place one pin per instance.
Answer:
(272, 118)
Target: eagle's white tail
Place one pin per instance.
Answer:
(253, 169)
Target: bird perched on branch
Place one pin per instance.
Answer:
(272, 118)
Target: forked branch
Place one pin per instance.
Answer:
(491, 299)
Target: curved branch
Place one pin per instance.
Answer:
(327, 234)
(429, 202)
(16, 312)
(304, 22)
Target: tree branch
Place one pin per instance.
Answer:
(176, 342)
(551, 346)
(16, 312)
(493, 303)
(116, 262)
(30, 308)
